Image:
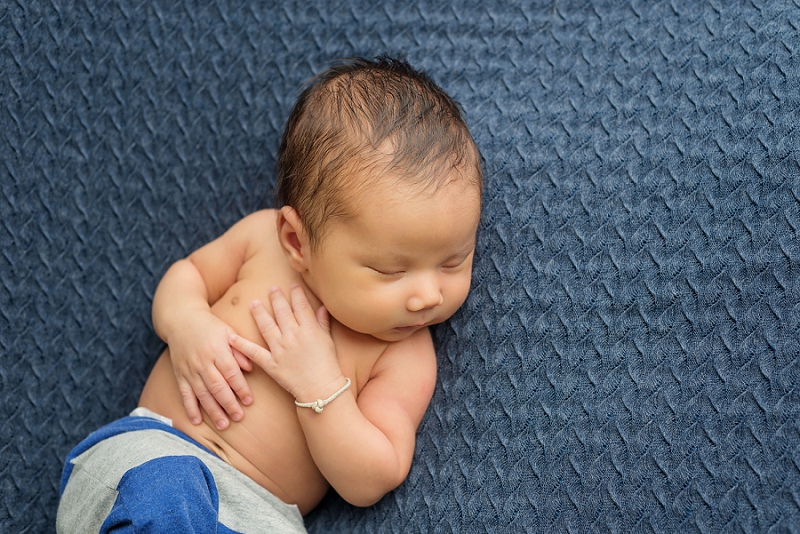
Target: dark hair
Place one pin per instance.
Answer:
(362, 119)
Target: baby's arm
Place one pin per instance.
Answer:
(363, 444)
(204, 364)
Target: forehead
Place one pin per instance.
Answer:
(391, 216)
(389, 177)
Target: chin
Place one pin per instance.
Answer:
(399, 334)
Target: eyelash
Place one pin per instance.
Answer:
(382, 273)
(397, 273)
(456, 266)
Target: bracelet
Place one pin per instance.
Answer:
(319, 404)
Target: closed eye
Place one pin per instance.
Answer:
(457, 264)
(387, 273)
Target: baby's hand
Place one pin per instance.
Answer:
(301, 356)
(209, 370)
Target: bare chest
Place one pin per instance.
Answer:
(267, 267)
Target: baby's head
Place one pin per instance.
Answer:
(378, 174)
(362, 121)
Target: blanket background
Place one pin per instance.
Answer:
(627, 360)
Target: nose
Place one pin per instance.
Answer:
(427, 293)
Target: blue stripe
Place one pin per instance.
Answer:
(120, 426)
(165, 495)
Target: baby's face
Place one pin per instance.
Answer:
(402, 263)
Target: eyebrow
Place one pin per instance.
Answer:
(398, 258)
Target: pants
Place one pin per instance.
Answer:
(138, 474)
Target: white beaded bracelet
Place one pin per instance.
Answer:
(319, 404)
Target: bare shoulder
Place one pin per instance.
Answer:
(254, 231)
(256, 223)
(406, 374)
(415, 352)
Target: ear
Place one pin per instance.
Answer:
(293, 238)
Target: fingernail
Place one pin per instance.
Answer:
(195, 420)
(221, 425)
(247, 400)
(236, 417)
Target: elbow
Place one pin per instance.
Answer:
(364, 501)
(370, 492)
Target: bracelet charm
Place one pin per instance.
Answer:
(319, 404)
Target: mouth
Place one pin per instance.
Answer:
(410, 327)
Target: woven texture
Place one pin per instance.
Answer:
(627, 360)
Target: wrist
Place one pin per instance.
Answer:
(186, 317)
(319, 404)
(325, 393)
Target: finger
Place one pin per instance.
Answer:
(235, 382)
(302, 309)
(266, 324)
(261, 356)
(224, 397)
(208, 400)
(284, 316)
(190, 402)
(242, 361)
(237, 354)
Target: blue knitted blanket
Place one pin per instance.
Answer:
(627, 360)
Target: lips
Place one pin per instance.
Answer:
(405, 328)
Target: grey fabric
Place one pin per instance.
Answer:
(627, 360)
(244, 506)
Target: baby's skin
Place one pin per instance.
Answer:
(356, 307)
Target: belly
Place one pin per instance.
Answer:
(267, 445)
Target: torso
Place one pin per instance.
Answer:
(268, 444)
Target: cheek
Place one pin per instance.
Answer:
(458, 289)
(361, 306)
